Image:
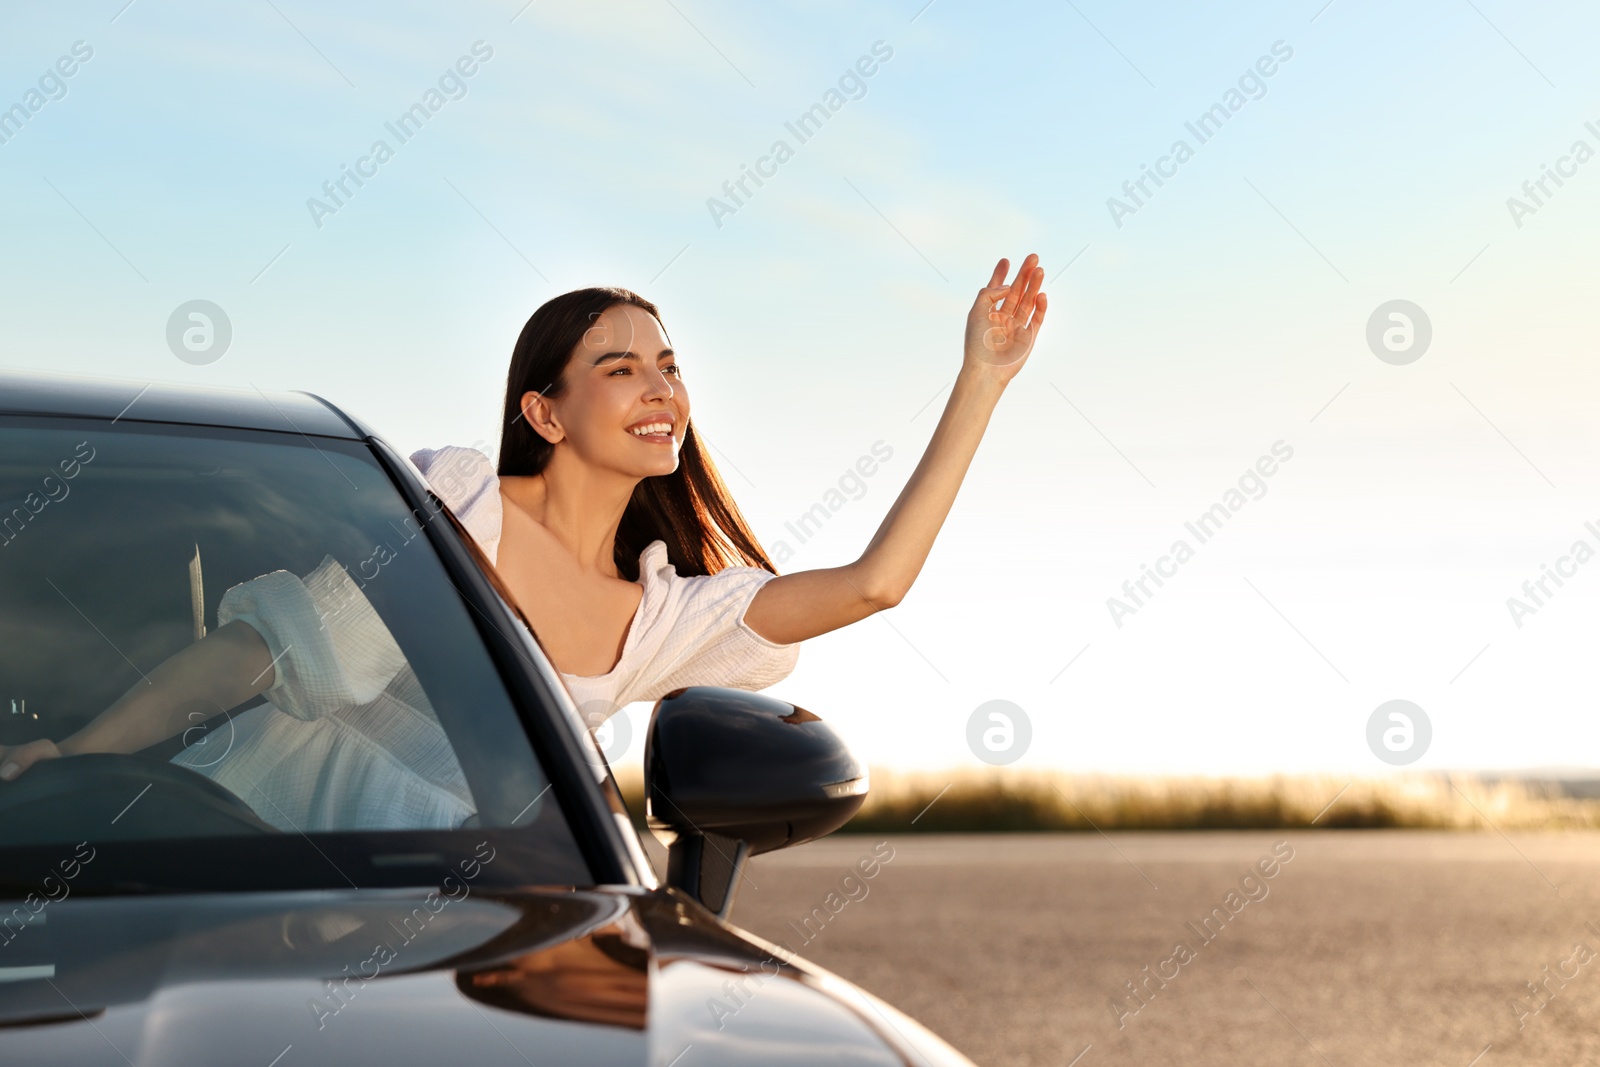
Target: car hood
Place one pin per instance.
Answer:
(395, 976)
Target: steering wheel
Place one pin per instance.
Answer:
(110, 796)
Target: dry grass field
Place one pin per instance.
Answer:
(1005, 799)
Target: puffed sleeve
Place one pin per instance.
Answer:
(465, 480)
(710, 643)
(329, 646)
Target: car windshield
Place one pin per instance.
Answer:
(147, 568)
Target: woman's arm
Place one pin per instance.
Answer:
(220, 671)
(794, 607)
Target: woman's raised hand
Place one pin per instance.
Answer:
(1005, 320)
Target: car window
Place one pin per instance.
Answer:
(123, 546)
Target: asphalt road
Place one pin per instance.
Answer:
(1364, 947)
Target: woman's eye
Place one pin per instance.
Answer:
(676, 370)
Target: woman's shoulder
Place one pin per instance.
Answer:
(464, 478)
(721, 596)
(657, 570)
(695, 633)
(454, 466)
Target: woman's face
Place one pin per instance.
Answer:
(622, 375)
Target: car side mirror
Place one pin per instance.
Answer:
(730, 774)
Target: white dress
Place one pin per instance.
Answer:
(686, 631)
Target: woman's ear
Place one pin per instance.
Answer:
(536, 410)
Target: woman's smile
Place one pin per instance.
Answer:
(659, 425)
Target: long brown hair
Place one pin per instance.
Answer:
(689, 509)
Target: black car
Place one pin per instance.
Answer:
(149, 913)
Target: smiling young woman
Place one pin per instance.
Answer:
(611, 529)
(609, 524)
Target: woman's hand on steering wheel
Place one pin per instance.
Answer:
(14, 759)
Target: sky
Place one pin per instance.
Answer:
(1357, 154)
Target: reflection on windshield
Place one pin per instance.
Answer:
(348, 739)
(342, 686)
